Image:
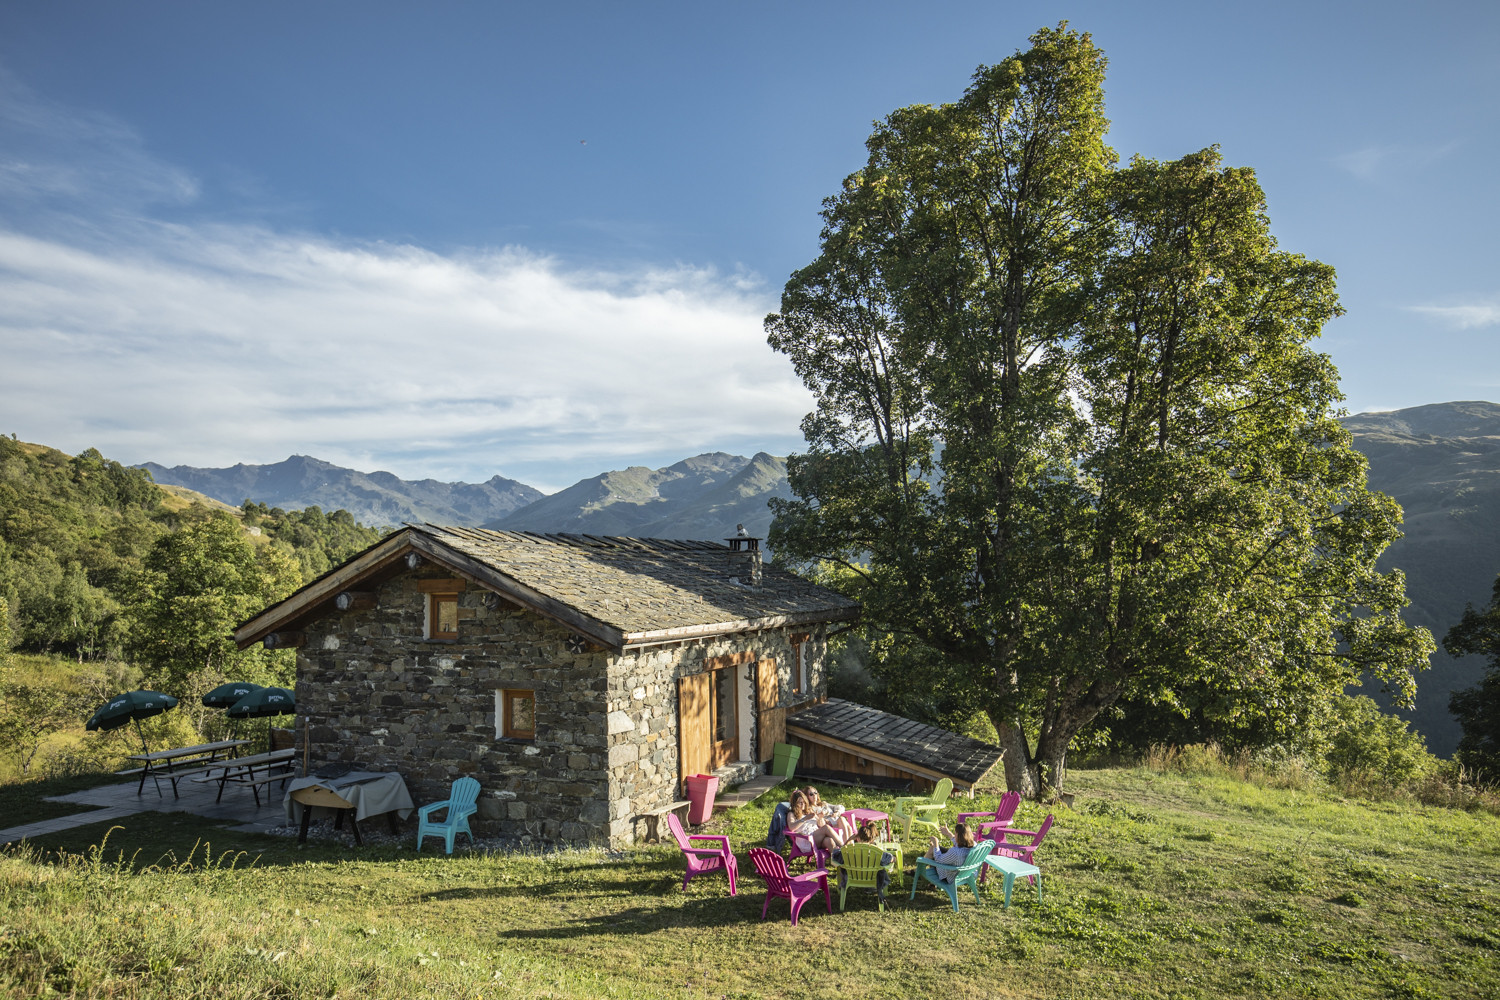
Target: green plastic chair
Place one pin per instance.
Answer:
(913, 810)
(860, 868)
(964, 874)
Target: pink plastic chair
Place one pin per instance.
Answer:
(702, 860)
(803, 847)
(1005, 847)
(796, 889)
(991, 823)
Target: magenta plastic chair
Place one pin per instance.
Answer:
(795, 889)
(1006, 847)
(703, 860)
(992, 823)
(802, 847)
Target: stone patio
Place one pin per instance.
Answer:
(116, 801)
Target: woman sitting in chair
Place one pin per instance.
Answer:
(832, 815)
(963, 842)
(804, 821)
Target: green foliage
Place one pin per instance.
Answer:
(1072, 443)
(71, 530)
(317, 540)
(1478, 708)
(194, 587)
(1366, 741)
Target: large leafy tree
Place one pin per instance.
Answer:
(1070, 436)
(1478, 708)
(196, 585)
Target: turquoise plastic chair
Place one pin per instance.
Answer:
(460, 805)
(964, 874)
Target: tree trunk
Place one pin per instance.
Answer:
(1020, 769)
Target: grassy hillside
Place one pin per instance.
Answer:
(1158, 885)
(1442, 463)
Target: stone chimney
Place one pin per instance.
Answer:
(744, 558)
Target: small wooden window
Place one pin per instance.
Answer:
(799, 663)
(442, 616)
(517, 714)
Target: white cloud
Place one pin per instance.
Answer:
(1371, 162)
(1465, 317)
(211, 346)
(211, 343)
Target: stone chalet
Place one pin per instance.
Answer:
(578, 678)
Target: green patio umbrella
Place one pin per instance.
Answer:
(225, 695)
(264, 704)
(132, 706)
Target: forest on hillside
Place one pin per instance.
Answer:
(108, 583)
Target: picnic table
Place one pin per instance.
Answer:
(180, 762)
(358, 794)
(254, 771)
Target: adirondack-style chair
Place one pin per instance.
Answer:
(859, 867)
(986, 824)
(702, 860)
(795, 889)
(803, 847)
(967, 873)
(914, 810)
(460, 805)
(1007, 845)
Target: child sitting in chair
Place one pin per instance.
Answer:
(963, 842)
(866, 835)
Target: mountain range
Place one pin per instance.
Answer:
(1440, 462)
(374, 498)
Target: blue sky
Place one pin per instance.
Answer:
(460, 239)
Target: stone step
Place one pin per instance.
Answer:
(747, 793)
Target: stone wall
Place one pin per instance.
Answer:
(642, 716)
(377, 694)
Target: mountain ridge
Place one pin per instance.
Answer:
(375, 498)
(1441, 462)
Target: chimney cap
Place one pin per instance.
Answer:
(743, 543)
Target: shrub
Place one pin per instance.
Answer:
(1366, 743)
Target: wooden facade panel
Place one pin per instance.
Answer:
(770, 720)
(695, 724)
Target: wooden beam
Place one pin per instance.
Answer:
(355, 600)
(285, 640)
(451, 585)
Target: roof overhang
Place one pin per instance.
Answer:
(316, 599)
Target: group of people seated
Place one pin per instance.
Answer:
(823, 823)
(826, 827)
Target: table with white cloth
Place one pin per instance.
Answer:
(359, 794)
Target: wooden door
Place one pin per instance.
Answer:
(769, 718)
(694, 725)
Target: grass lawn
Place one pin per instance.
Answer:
(1155, 886)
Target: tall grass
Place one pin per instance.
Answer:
(1447, 785)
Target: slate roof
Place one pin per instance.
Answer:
(640, 585)
(617, 591)
(962, 758)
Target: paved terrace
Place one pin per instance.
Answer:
(116, 801)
